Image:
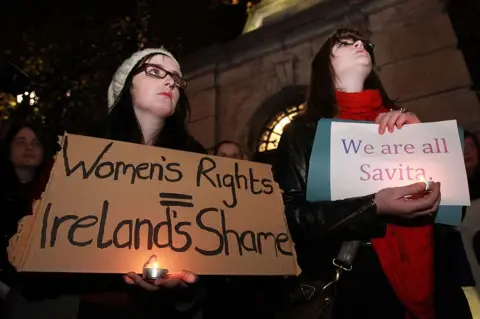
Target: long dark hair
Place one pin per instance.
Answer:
(474, 180)
(321, 102)
(122, 124)
(476, 142)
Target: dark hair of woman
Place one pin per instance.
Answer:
(476, 174)
(122, 125)
(474, 180)
(7, 171)
(321, 101)
(219, 145)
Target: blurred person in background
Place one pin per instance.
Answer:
(228, 149)
(22, 159)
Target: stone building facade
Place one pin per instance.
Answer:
(238, 89)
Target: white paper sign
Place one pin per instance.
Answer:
(364, 162)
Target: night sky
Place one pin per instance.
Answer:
(70, 49)
(191, 23)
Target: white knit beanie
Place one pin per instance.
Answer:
(118, 81)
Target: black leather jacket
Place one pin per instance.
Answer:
(318, 228)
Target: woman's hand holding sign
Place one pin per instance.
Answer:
(398, 201)
(392, 201)
(395, 118)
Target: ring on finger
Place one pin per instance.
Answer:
(403, 110)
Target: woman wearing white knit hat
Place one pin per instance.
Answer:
(147, 105)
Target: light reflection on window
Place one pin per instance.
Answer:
(273, 131)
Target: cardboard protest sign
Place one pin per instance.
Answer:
(109, 206)
(351, 159)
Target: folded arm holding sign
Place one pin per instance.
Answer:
(391, 201)
(395, 119)
(345, 219)
(315, 219)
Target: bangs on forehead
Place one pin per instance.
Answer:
(148, 59)
(346, 34)
(342, 35)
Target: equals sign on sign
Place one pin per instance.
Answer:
(175, 200)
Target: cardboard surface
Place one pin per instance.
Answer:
(109, 206)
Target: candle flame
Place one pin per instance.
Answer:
(152, 263)
(428, 184)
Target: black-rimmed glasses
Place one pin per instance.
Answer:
(367, 45)
(157, 71)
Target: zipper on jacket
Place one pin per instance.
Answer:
(360, 211)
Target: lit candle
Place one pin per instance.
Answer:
(152, 270)
(428, 185)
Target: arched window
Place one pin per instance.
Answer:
(273, 130)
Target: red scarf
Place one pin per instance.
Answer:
(405, 253)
